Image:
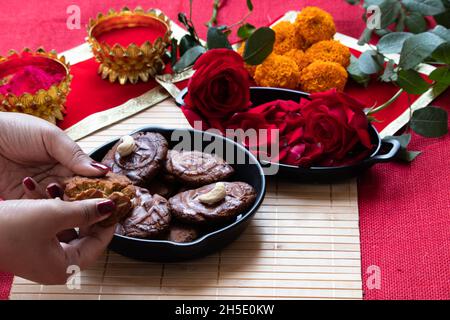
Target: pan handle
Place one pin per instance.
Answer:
(395, 147)
(180, 98)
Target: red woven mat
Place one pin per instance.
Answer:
(404, 223)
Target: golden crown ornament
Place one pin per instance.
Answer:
(133, 62)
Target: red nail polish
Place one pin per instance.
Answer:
(100, 166)
(55, 191)
(29, 183)
(106, 207)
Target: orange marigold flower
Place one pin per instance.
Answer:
(323, 75)
(313, 25)
(251, 69)
(277, 71)
(300, 58)
(329, 50)
(285, 38)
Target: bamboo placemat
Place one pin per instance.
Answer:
(302, 243)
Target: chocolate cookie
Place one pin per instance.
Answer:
(116, 187)
(141, 160)
(215, 202)
(162, 186)
(182, 233)
(150, 217)
(196, 168)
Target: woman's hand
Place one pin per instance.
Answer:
(30, 247)
(35, 154)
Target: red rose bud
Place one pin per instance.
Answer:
(219, 87)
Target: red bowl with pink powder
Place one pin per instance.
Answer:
(36, 83)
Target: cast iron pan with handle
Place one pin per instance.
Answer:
(247, 169)
(384, 150)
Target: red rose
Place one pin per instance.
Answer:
(219, 87)
(337, 123)
(286, 117)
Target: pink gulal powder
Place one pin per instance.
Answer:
(30, 79)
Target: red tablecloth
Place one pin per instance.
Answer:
(403, 209)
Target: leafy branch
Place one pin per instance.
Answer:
(259, 42)
(403, 31)
(401, 15)
(413, 50)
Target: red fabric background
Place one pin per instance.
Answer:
(403, 209)
(404, 223)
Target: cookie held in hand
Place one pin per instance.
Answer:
(196, 168)
(139, 157)
(115, 187)
(212, 203)
(149, 219)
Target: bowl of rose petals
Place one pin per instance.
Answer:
(322, 137)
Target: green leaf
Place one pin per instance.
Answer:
(426, 7)
(216, 39)
(404, 139)
(250, 5)
(245, 31)
(189, 58)
(412, 82)
(369, 62)
(173, 51)
(407, 155)
(259, 46)
(183, 19)
(389, 73)
(382, 32)
(365, 36)
(442, 32)
(415, 22)
(443, 18)
(186, 43)
(393, 42)
(418, 47)
(355, 72)
(442, 53)
(441, 75)
(400, 23)
(390, 10)
(430, 122)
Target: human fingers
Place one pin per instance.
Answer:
(69, 154)
(82, 213)
(32, 189)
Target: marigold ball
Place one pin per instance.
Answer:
(313, 25)
(285, 38)
(300, 58)
(277, 71)
(329, 50)
(322, 75)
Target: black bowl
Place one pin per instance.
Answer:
(384, 149)
(247, 169)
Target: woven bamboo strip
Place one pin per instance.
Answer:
(303, 243)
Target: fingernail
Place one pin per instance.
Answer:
(29, 183)
(100, 166)
(55, 191)
(106, 207)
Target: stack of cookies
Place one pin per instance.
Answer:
(165, 194)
